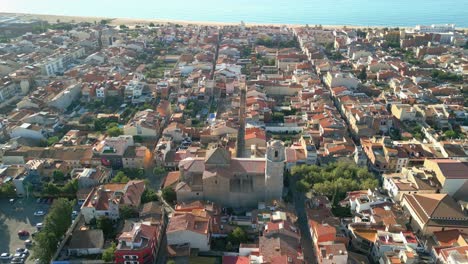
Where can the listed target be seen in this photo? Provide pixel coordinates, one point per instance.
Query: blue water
(326, 12)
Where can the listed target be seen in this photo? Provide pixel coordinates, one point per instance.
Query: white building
(444, 28)
(341, 79)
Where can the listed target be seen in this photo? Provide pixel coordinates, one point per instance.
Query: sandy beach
(131, 22)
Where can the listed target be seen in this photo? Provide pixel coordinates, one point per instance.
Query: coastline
(116, 21)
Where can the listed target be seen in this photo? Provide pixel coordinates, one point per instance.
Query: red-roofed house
(139, 245)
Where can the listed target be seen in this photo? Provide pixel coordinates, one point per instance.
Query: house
(434, 212)
(452, 175)
(333, 254)
(86, 242)
(403, 112)
(154, 213)
(136, 157)
(27, 130)
(407, 182)
(90, 177)
(146, 123)
(187, 227)
(106, 199)
(175, 131)
(66, 97)
(138, 245)
(228, 181)
(341, 79)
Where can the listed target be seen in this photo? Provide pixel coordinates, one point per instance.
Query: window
(276, 153)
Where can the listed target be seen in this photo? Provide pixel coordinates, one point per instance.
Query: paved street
(15, 217)
(306, 239)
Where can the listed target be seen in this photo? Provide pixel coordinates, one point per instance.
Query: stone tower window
(276, 153)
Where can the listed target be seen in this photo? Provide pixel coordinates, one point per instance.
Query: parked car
(28, 243)
(39, 226)
(38, 200)
(23, 233)
(5, 256)
(12, 200)
(17, 261)
(20, 256)
(39, 213)
(22, 251)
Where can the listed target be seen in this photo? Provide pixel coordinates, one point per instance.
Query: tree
(52, 140)
(334, 179)
(58, 176)
(149, 195)
(108, 253)
(151, 24)
(302, 186)
(278, 117)
(169, 195)
(120, 177)
(127, 212)
(56, 224)
(105, 224)
(237, 236)
(114, 131)
(170, 262)
(7, 190)
(158, 170)
(450, 134)
(363, 74)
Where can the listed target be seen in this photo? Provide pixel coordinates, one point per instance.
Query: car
(39, 213)
(17, 261)
(38, 200)
(22, 251)
(20, 256)
(39, 226)
(23, 233)
(5, 256)
(28, 243)
(12, 200)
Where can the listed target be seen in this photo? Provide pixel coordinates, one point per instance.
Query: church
(233, 182)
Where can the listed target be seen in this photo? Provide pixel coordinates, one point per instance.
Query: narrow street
(306, 239)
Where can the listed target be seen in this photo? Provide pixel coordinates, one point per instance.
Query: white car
(39, 213)
(5, 256)
(39, 226)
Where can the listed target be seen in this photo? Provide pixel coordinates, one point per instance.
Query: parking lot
(17, 216)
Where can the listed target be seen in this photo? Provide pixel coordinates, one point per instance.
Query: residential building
(106, 199)
(138, 245)
(189, 228)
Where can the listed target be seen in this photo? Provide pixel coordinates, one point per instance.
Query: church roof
(217, 156)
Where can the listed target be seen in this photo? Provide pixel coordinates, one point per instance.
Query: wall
(196, 240)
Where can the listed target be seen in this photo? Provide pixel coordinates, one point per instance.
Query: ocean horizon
(312, 12)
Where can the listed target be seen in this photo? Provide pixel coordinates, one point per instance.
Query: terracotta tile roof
(448, 237)
(451, 169)
(190, 222)
(171, 178)
(436, 209)
(462, 253)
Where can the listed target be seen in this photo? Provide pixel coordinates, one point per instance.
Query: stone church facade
(233, 182)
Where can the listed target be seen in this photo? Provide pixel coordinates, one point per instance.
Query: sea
(311, 12)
